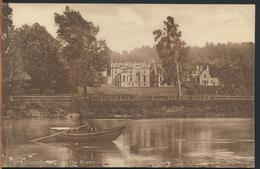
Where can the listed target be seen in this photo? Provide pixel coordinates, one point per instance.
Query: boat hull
(105, 135)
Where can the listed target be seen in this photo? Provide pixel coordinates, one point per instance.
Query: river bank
(65, 110)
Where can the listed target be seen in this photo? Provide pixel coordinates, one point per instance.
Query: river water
(208, 142)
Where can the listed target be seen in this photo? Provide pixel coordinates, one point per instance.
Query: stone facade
(130, 74)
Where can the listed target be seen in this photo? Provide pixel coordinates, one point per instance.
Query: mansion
(130, 74)
(133, 74)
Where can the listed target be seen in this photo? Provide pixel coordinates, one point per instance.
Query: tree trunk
(85, 95)
(178, 73)
(41, 86)
(178, 80)
(10, 87)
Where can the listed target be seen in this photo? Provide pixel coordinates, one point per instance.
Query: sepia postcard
(128, 85)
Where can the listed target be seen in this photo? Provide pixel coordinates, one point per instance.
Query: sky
(128, 26)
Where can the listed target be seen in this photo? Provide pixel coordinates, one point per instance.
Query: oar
(41, 138)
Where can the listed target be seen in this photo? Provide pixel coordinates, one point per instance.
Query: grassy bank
(135, 110)
(136, 91)
(170, 111)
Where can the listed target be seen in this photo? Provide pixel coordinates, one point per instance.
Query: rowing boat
(104, 135)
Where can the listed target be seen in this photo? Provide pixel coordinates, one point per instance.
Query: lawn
(144, 91)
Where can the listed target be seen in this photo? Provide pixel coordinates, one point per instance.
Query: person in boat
(86, 128)
(93, 129)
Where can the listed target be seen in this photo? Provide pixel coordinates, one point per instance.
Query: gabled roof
(202, 72)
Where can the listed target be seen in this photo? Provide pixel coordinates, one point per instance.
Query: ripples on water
(152, 142)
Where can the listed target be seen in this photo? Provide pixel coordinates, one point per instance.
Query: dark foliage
(84, 54)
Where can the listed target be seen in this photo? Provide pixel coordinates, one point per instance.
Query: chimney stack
(207, 68)
(197, 68)
(201, 68)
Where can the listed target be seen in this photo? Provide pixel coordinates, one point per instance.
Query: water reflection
(156, 142)
(211, 139)
(62, 154)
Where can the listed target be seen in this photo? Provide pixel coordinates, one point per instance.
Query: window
(138, 78)
(144, 78)
(130, 78)
(123, 78)
(115, 71)
(205, 75)
(126, 78)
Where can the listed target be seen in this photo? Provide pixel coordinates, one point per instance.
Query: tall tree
(171, 50)
(86, 56)
(6, 29)
(11, 68)
(14, 78)
(39, 51)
